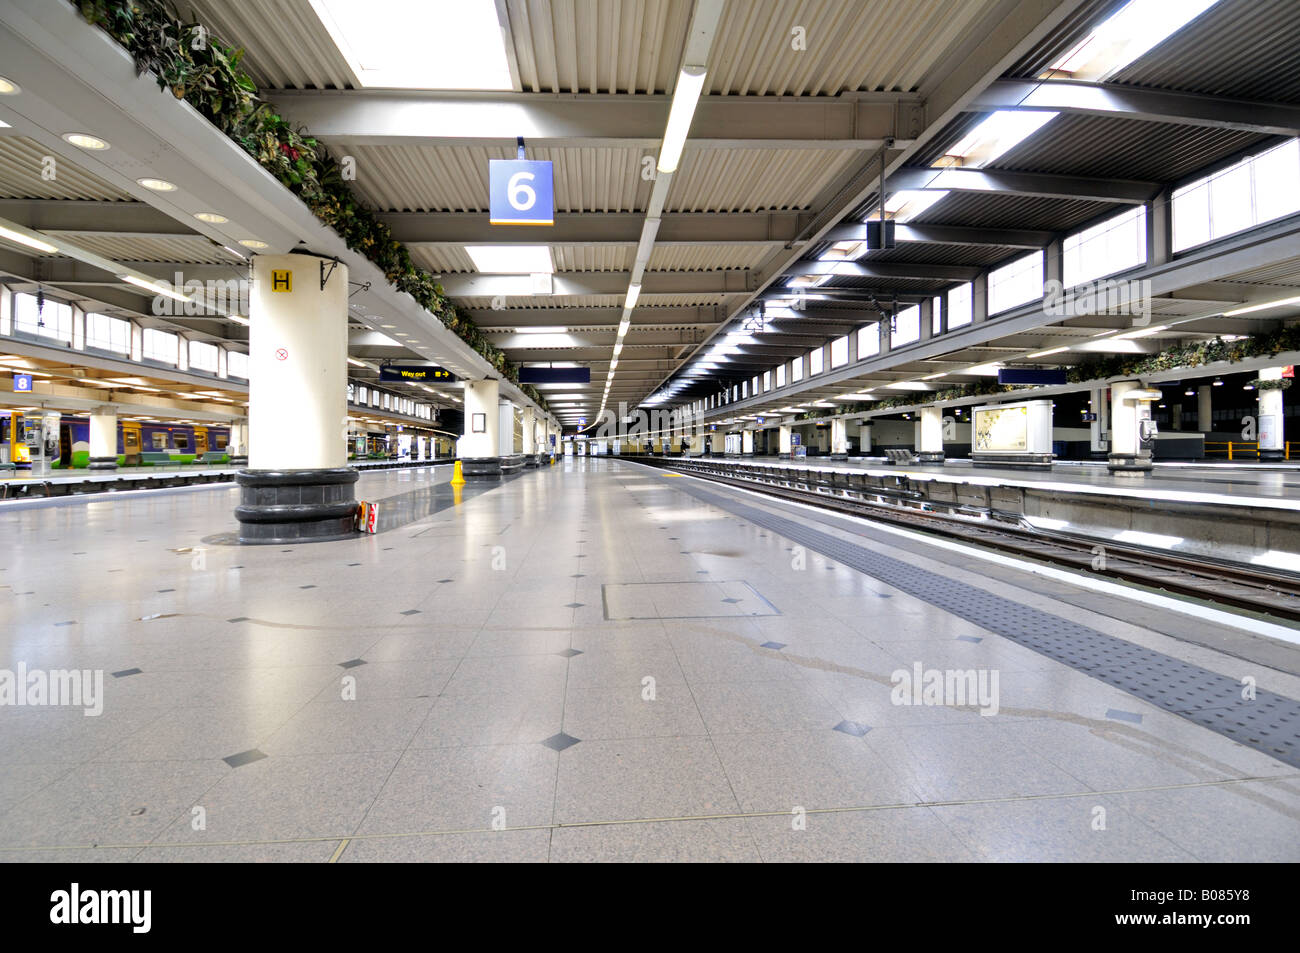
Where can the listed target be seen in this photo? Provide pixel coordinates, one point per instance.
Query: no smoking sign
(281, 354)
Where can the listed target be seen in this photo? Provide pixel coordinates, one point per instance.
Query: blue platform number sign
(22, 383)
(521, 192)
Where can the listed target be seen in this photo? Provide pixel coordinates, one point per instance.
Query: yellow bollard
(457, 476)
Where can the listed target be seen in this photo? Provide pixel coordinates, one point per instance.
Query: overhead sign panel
(521, 192)
(22, 383)
(555, 375)
(1030, 375)
(416, 373)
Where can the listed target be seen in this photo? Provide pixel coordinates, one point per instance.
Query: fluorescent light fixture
(511, 259)
(633, 293)
(984, 370)
(1143, 332)
(1248, 309)
(157, 185)
(238, 320)
(934, 377)
(1138, 27)
(907, 385)
(22, 238)
(163, 290)
(618, 348)
(83, 141)
(355, 363)
(546, 329)
(1048, 352)
(386, 42)
(690, 81)
(1001, 132)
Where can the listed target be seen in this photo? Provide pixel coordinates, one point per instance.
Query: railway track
(1274, 593)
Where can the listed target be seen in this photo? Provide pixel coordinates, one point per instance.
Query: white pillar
(103, 438)
(297, 357)
(237, 446)
(482, 420)
(783, 436)
(929, 449)
(864, 438)
(747, 442)
(506, 427)
(1205, 408)
(839, 437)
(1124, 451)
(1271, 420)
(1100, 410)
(530, 431)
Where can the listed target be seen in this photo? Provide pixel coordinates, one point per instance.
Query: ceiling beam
(885, 269)
(1128, 102)
(108, 218)
(1120, 191)
(598, 228)
(581, 318)
(733, 281)
(375, 117)
(949, 235)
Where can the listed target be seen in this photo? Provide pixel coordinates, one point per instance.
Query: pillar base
(1098, 454)
(296, 506)
(1129, 462)
(929, 456)
(241, 461)
(1271, 456)
(102, 463)
(1010, 458)
(482, 467)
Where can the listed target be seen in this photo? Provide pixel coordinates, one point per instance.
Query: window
(1255, 190)
(767, 381)
(753, 386)
(53, 320)
(203, 356)
(237, 364)
(960, 311)
(868, 341)
(1115, 245)
(796, 370)
(780, 375)
(936, 316)
(840, 352)
(108, 334)
(907, 327)
(1016, 283)
(816, 358)
(161, 346)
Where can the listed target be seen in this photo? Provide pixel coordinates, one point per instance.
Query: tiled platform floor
(738, 708)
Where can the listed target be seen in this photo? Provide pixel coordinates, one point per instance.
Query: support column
(237, 446)
(103, 438)
(506, 427)
(1126, 453)
(1205, 408)
(1272, 421)
(929, 448)
(298, 486)
(840, 438)
(531, 455)
(783, 441)
(1099, 444)
(747, 442)
(864, 438)
(480, 447)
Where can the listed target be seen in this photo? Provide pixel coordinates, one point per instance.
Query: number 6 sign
(521, 192)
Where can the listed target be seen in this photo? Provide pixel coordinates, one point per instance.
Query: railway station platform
(599, 660)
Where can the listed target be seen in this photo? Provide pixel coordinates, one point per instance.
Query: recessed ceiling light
(216, 219)
(8, 87)
(252, 243)
(157, 185)
(83, 141)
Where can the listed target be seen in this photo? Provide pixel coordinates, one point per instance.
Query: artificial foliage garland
(191, 64)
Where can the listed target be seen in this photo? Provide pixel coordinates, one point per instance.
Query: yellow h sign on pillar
(282, 281)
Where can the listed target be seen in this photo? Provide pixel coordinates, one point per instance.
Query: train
(139, 443)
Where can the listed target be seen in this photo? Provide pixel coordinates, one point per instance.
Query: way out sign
(521, 192)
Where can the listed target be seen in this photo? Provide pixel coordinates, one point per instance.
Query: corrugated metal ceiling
(749, 180)
(180, 249)
(993, 210)
(21, 163)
